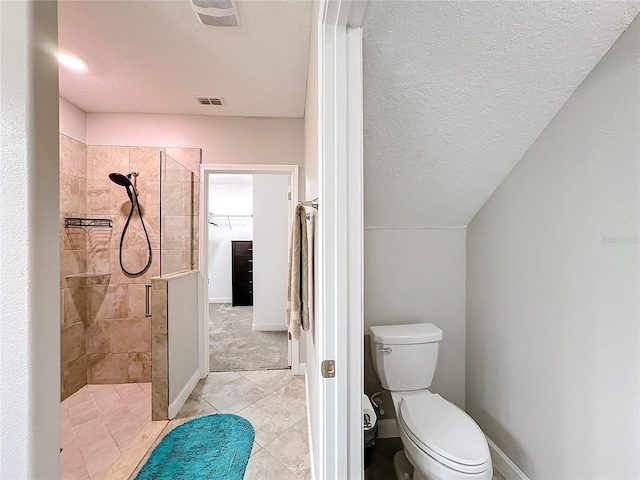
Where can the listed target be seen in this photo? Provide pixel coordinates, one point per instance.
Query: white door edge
(340, 234)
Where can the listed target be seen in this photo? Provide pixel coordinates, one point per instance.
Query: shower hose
(135, 204)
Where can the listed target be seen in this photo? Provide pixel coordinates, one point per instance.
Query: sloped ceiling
(155, 56)
(456, 92)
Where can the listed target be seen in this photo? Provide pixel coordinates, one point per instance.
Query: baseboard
(178, 403)
(503, 464)
(312, 469)
(220, 300)
(388, 428)
(302, 369)
(273, 327)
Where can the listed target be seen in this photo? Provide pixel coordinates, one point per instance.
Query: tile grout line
(228, 383)
(73, 428)
(105, 424)
(258, 446)
(270, 453)
(277, 460)
(102, 421)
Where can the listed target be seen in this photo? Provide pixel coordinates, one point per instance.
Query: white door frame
(340, 235)
(206, 170)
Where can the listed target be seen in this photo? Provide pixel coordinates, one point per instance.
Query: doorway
(247, 211)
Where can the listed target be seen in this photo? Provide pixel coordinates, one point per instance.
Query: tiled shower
(105, 335)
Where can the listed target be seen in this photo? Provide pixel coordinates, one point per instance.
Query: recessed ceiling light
(72, 62)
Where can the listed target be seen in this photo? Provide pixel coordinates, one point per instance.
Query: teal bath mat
(215, 447)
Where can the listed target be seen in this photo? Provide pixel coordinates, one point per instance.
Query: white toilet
(441, 441)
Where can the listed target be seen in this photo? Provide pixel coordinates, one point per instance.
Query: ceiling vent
(215, 101)
(216, 13)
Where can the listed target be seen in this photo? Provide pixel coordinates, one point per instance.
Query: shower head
(125, 181)
(120, 179)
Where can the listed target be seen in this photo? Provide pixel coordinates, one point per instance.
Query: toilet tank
(405, 356)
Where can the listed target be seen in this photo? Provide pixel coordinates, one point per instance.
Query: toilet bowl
(440, 440)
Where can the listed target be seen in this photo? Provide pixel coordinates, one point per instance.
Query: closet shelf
(228, 217)
(73, 222)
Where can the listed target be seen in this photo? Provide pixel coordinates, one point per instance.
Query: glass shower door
(177, 220)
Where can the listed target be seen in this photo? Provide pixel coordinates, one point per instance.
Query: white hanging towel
(298, 285)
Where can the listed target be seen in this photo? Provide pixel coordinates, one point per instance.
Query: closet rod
(230, 215)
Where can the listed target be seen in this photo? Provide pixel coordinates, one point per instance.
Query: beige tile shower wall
(105, 336)
(73, 260)
(119, 335)
(160, 369)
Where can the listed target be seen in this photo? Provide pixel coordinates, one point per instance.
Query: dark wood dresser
(242, 273)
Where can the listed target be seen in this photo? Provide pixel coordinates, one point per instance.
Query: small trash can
(370, 429)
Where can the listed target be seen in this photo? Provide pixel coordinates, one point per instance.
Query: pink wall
(222, 139)
(73, 121)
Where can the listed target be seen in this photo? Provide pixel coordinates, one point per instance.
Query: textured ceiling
(154, 57)
(456, 92)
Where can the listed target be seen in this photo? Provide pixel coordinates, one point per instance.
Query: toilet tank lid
(406, 334)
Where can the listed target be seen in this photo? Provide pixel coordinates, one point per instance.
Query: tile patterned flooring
(274, 402)
(99, 421)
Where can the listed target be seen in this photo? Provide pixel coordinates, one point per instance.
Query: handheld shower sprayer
(132, 192)
(125, 181)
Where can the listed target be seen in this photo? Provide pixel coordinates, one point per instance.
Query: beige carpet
(233, 346)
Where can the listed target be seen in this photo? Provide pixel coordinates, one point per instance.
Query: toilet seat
(444, 432)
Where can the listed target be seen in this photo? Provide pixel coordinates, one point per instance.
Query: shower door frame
(207, 169)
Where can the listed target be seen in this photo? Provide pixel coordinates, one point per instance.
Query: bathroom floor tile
(214, 381)
(292, 449)
(275, 406)
(234, 396)
(107, 405)
(273, 401)
(137, 449)
(271, 380)
(81, 408)
(105, 446)
(81, 396)
(84, 417)
(78, 473)
(96, 424)
(196, 407)
(91, 432)
(99, 465)
(293, 392)
(71, 458)
(271, 417)
(264, 466)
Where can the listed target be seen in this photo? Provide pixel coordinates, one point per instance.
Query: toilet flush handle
(385, 349)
